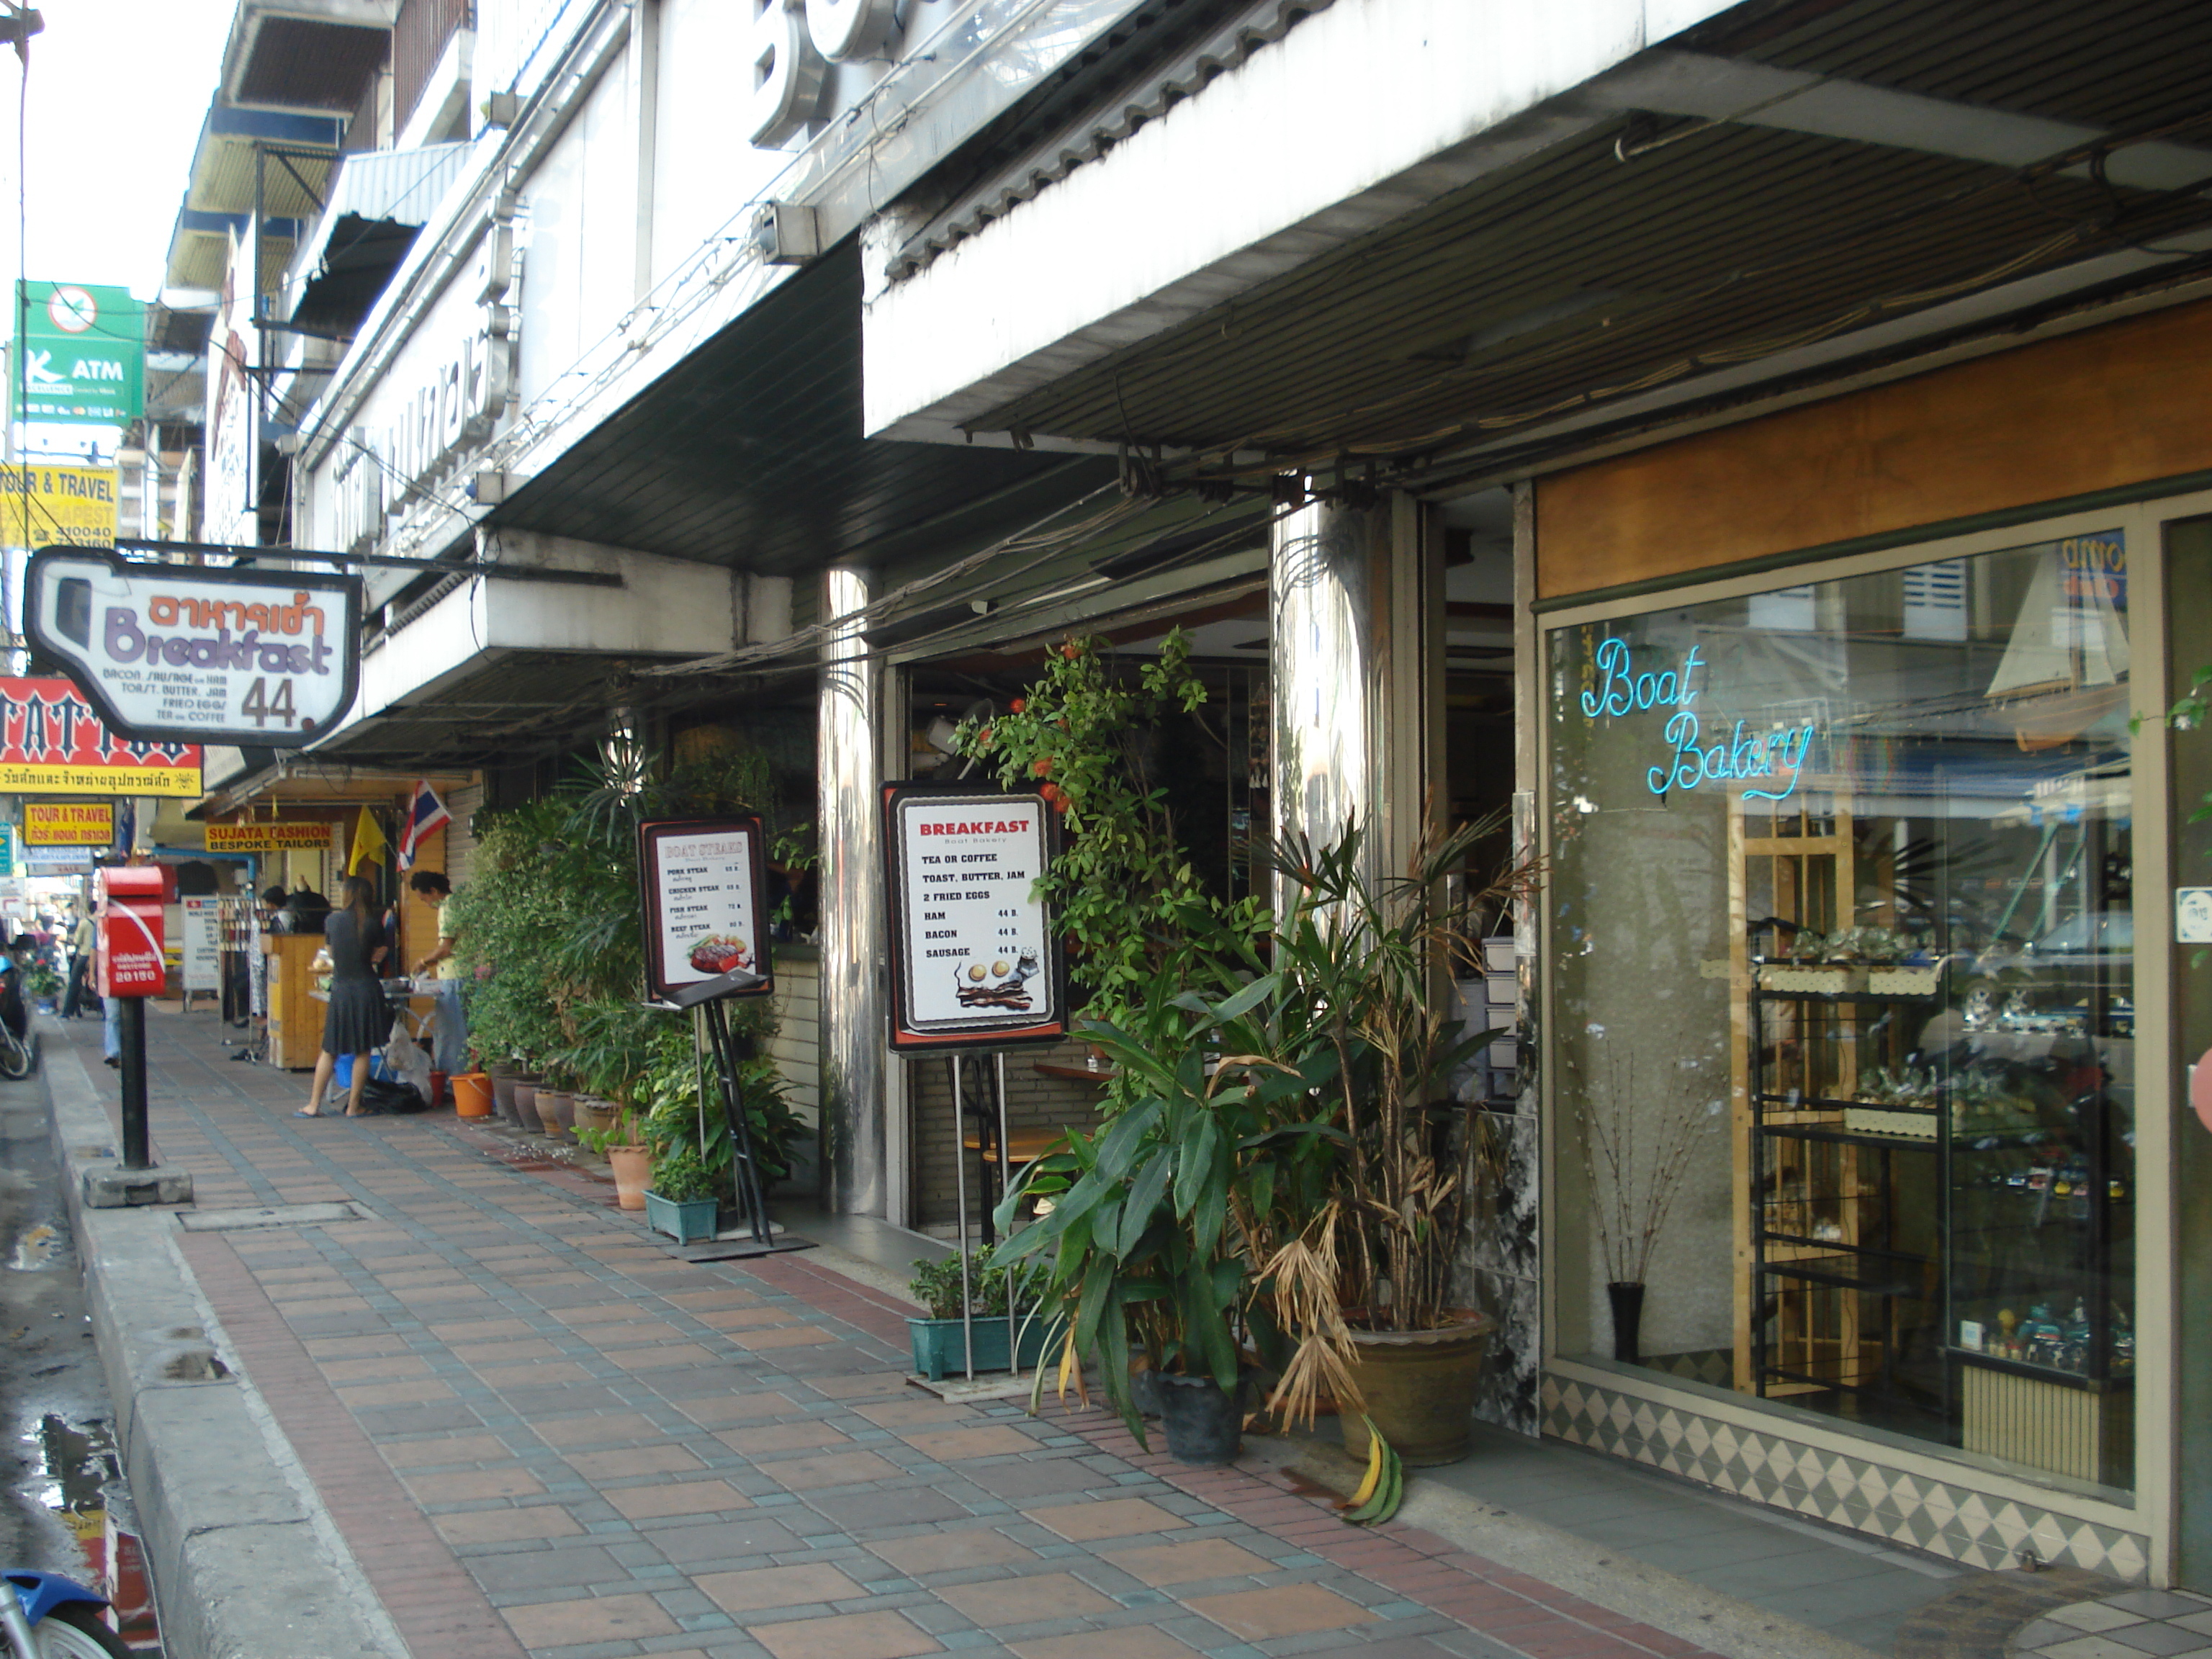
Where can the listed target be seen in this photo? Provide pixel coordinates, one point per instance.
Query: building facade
(1761, 447)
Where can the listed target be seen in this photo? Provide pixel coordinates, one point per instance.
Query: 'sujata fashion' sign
(53, 743)
(263, 657)
(703, 880)
(974, 960)
(269, 837)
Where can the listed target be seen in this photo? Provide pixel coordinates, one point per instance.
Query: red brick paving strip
(424, 1587)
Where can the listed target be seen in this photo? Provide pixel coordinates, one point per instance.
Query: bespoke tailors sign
(264, 658)
(974, 962)
(53, 743)
(271, 836)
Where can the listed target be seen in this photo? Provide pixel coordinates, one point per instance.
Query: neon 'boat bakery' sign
(1623, 690)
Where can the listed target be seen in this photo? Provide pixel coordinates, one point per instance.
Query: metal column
(855, 1057)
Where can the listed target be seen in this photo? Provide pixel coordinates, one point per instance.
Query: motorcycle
(51, 1617)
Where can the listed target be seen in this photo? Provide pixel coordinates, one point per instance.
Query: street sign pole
(130, 1021)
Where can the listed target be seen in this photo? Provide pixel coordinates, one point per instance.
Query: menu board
(203, 958)
(704, 882)
(975, 962)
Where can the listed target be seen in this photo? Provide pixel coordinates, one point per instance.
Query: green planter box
(938, 1352)
(687, 1223)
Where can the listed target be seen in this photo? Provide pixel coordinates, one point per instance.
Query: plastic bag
(407, 1062)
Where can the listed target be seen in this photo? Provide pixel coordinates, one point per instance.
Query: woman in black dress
(360, 1019)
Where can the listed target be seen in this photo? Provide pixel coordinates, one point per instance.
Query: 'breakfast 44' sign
(265, 658)
(1621, 688)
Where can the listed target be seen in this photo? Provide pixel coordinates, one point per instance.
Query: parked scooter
(50, 1616)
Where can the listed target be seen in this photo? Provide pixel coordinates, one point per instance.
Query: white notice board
(704, 885)
(976, 957)
(202, 945)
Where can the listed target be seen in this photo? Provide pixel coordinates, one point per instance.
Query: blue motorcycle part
(41, 1593)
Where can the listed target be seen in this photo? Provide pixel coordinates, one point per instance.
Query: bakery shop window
(1844, 1002)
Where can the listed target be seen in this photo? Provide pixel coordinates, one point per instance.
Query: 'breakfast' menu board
(975, 962)
(704, 882)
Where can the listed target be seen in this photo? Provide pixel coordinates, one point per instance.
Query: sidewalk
(539, 1433)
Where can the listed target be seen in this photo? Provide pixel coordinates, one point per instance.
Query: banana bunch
(1381, 1489)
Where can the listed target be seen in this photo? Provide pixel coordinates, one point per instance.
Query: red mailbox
(130, 958)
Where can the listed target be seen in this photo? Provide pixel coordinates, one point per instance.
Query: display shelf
(1841, 1137)
(1873, 1273)
(2052, 1374)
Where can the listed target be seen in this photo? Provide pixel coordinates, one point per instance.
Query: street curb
(246, 1560)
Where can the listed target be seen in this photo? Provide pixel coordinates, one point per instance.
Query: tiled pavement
(2144, 1621)
(540, 1433)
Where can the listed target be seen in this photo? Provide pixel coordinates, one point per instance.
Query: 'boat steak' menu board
(705, 913)
(975, 963)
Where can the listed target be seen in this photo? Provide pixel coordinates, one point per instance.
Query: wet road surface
(62, 1496)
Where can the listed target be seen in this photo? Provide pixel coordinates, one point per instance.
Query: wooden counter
(295, 1017)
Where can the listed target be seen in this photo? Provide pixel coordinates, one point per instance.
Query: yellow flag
(368, 842)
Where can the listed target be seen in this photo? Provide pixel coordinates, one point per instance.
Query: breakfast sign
(704, 882)
(975, 962)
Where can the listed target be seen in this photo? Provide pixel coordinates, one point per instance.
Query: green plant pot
(687, 1221)
(938, 1351)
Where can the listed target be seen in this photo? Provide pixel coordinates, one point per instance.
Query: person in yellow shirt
(449, 1053)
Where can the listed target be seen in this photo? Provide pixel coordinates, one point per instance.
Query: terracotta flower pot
(1419, 1390)
(531, 1116)
(633, 1168)
(556, 1110)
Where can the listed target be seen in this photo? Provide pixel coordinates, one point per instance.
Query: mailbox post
(129, 966)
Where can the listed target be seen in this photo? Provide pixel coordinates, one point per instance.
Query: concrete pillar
(854, 1041)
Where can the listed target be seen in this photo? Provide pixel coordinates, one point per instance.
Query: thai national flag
(427, 814)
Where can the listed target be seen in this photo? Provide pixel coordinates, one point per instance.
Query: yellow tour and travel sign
(68, 822)
(271, 837)
(71, 506)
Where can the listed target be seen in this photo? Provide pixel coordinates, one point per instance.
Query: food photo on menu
(998, 984)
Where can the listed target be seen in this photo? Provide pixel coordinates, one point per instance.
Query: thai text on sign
(69, 823)
(53, 743)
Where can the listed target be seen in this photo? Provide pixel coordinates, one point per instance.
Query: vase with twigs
(1636, 1153)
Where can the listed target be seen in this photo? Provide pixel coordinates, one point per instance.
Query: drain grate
(268, 1215)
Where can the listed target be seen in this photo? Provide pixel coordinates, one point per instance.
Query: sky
(118, 89)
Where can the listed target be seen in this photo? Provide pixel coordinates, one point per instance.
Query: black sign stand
(732, 1049)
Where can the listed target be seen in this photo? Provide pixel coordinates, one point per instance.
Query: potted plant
(627, 1155)
(1637, 1145)
(1286, 1169)
(1002, 1311)
(1159, 1241)
(675, 1116)
(681, 1201)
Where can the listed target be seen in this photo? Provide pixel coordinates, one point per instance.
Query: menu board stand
(960, 1199)
(731, 1049)
(977, 966)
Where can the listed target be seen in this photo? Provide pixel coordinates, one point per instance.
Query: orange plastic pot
(472, 1095)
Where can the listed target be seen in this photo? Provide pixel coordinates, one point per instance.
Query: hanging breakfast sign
(976, 964)
(704, 882)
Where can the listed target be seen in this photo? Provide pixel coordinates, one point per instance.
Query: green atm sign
(80, 354)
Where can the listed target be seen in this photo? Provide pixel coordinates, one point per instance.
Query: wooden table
(1027, 1145)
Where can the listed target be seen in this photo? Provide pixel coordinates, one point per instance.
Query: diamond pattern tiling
(1945, 1517)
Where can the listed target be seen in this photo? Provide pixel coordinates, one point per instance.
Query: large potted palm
(1360, 962)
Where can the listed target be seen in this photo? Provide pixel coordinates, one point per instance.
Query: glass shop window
(1844, 1020)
